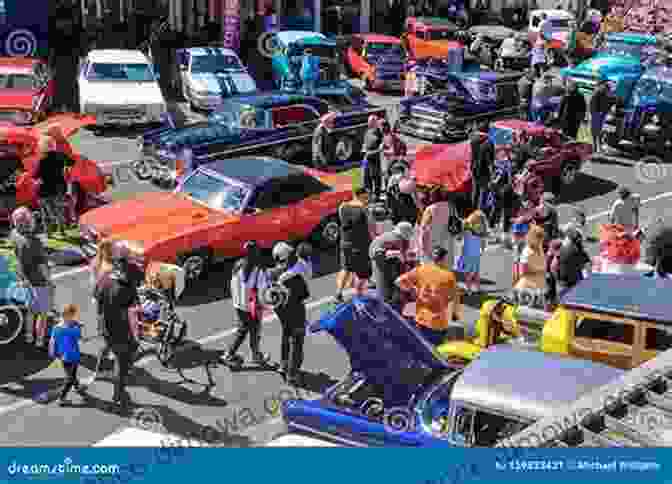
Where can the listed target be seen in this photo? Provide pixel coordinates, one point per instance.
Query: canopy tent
(444, 165)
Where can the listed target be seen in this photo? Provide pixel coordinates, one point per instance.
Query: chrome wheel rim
(331, 232)
(344, 149)
(142, 169)
(193, 266)
(569, 174)
(10, 326)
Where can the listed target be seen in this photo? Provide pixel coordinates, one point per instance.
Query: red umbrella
(444, 165)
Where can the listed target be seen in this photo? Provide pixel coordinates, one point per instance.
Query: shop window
(621, 333)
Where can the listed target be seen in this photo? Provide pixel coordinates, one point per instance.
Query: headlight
(655, 119)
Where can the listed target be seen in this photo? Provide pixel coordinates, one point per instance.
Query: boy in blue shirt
(310, 72)
(64, 345)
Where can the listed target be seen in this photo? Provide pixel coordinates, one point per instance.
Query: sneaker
(260, 359)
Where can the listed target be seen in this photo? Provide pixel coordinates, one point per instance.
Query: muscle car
(26, 90)
(218, 208)
(209, 74)
(19, 161)
(378, 60)
(118, 87)
(429, 37)
(400, 393)
(275, 124)
(461, 102)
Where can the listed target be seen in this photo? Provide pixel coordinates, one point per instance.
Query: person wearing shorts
(356, 234)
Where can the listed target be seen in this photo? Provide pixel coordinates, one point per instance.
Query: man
(572, 110)
(356, 235)
(625, 210)
(600, 104)
(542, 92)
(373, 148)
(502, 187)
(547, 217)
(310, 72)
(115, 294)
(525, 93)
(482, 158)
(572, 260)
(658, 252)
(322, 142)
(398, 239)
(394, 150)
(291, 310)
(437, 296)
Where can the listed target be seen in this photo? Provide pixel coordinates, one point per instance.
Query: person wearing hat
(116, 293)
(625, 210)
(288, 280)
(572, 261)
(435, 287)
(396, 241)
(600, 104)
(248, 282)
(322, 142)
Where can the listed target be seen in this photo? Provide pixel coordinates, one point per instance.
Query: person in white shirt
(248, 282)
(625, 210)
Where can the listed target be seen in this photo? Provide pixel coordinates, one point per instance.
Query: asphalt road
(239, 405)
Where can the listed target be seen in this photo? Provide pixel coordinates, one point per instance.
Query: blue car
(279, 125)
(400, 393)
(458, 102)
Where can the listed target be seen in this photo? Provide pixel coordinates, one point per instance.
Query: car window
(120, 72)
(213, 63)
(284, 192)
(214, 192)
(622, 333)
(536, 21)
(658, 339)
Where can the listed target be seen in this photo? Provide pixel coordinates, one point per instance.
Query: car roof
(255, 170)
(625, 295)
(117, 56)
(553, 13)
(273, 98)
(205, 51)
(384, 39)
(289, 36)
(528, 384)
(632, 38)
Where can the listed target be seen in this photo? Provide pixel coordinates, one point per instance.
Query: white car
(119, 88)
(209, 74)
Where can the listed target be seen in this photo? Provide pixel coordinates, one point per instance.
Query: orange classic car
(219, 207)
(377, 59)
(429, 37)
(26, 90)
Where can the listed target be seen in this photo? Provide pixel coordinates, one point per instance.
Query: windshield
(216, 193)
(213, 63)
(120, 72)
(236, 116)
(618, 48)
(17, 81)
(480, 91)
(441, 35)
(384, 49)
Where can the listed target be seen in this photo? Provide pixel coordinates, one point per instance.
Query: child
(64, 345)
(475, 233)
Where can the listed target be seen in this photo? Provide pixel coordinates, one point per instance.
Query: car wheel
(11, 324)
(328, 234)
(569, 172)
(499, 65)
(143, 169)
(195, 265)
(344, 149)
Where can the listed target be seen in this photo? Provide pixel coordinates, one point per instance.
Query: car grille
(124, 111)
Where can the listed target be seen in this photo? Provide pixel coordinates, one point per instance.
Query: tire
(568, 173)
(143, 169)
(11, 324)
(327, 235)
(195, 264)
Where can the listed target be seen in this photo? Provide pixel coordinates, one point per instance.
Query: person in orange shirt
(435, 286)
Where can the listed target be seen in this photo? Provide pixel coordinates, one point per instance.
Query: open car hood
(380, 344)
(446, 165)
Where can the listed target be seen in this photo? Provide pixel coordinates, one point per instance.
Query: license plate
(609, 128)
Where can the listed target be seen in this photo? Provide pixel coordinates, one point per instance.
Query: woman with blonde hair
(435, 226)
(530, 288)
(474, 241)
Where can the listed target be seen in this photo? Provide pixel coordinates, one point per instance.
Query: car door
(606, 340)
(311, 208)
(294, 125)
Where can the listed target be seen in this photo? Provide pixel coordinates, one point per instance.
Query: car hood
(149, 218)
(16, 98)
(123, 92)
(379, 343)
(605, 65)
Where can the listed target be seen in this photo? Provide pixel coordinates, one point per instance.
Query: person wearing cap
(625, 210)
(572, 261)
(373, 147)
(600, 104)
(289, 281)
(397, 241)
(115, 294)
(435, 287)
(32, 270)
(322, 142)
(248, 282)
(310, 72)
(572, 110)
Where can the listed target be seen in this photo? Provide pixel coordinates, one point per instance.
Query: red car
(26, 90)
(378, 60)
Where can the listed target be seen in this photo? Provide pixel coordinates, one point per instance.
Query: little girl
(474, 241)
(64, 345)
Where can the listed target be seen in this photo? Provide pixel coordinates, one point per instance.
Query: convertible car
(401, 393)
(218, 208)
(275, 124)
(378, 60)
(463, 101)
(26, 90)
(18, 187)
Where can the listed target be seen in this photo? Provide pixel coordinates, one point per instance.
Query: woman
(248, 284)
(101, 264)
(475, 233)
(531, 287)
(435, 226)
